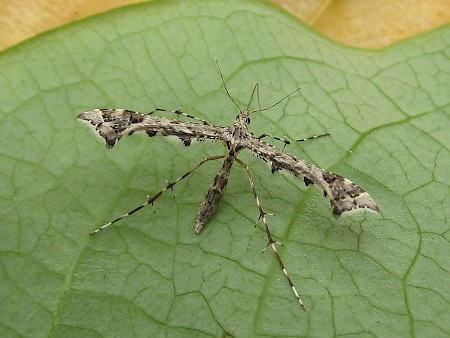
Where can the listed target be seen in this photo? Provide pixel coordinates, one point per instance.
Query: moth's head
(243, 117)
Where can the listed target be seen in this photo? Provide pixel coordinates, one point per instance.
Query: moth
(343, 194)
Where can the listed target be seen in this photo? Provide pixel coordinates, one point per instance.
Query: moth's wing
(112, 124)
(343, 194)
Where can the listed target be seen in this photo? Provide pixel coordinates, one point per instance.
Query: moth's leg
(271, 242)
(152, 199)
(215, 192)
(286, 141)
(179, 112)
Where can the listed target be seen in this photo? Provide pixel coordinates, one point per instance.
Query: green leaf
(365, 275)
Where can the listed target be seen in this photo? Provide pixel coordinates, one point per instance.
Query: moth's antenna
(273, 105)
(255, 89)
(226, 89)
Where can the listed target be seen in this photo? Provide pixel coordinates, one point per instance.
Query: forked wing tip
(361, 202)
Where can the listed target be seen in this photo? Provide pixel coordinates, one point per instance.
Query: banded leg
(152, 199)
(271, 242)
(287, 141)
(179, 112)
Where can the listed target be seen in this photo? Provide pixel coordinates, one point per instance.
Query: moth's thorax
(238, 132)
